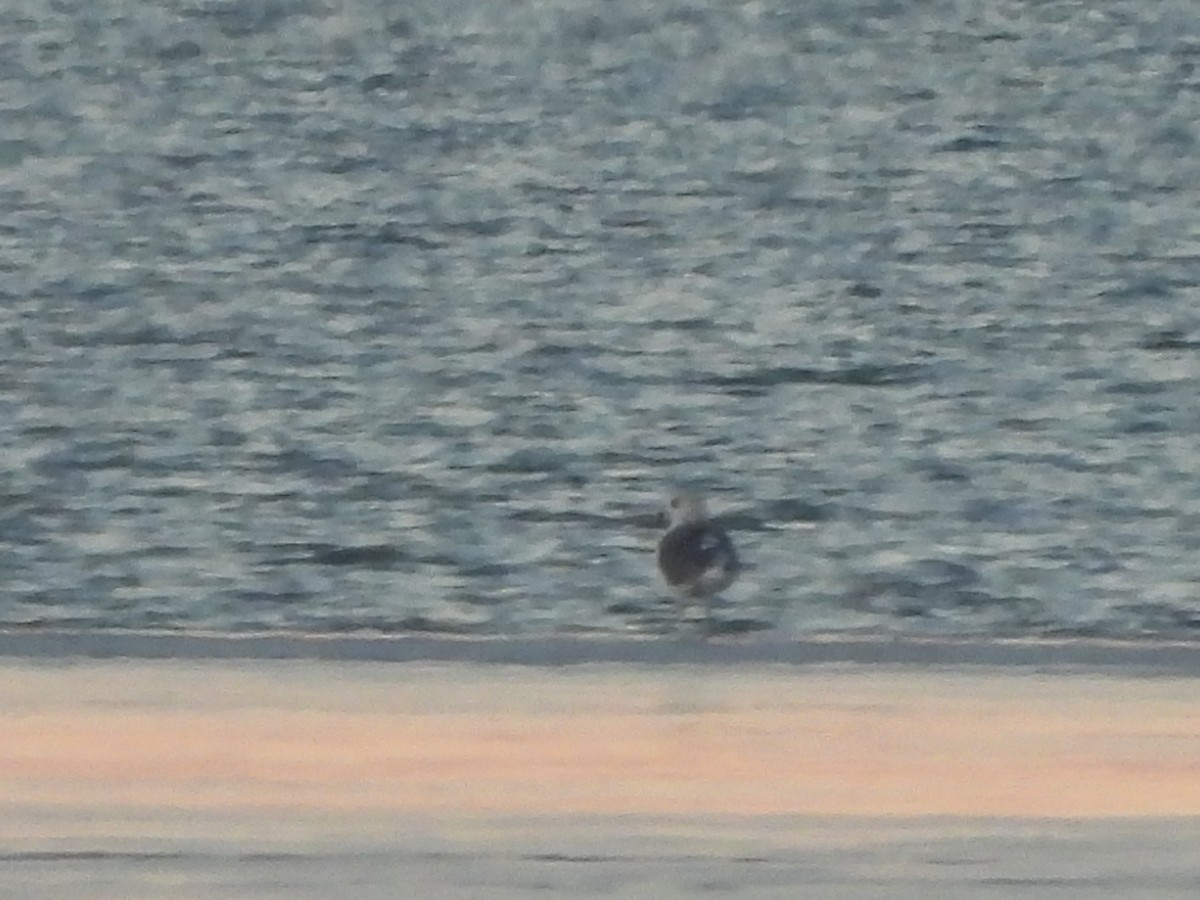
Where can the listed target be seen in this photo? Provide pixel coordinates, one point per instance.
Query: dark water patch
(38, 431)
(1024, 425)
(1020, 82)
(559, 351)
(379, 557)
(700, 190)
(932, 469)
(331, 232)
(541, 248)
(390, 81)
(370, 556)
(163, 551)
(179, 51)
(545, 192)
(485, 570)
(1136, 388)
(186, 161)
(367, 235)
(415, 623)
(1147, 426)
(570, 858)
(531, 461)
(969, 144)
(686, 323)
(918, 95)
(794, 509)
(483, 228)
(124, 334)
(868, 375)
(630, 219)
(309, 463)
(392, 234)
(625, 608)
(863, 290)
(225, 436)
(1169, 339)
(737, 626)
(988, 231)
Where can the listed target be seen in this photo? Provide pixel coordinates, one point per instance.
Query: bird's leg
(687, 625)
(681, 617)
(706, 628)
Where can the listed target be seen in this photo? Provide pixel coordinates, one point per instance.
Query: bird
(695, 555)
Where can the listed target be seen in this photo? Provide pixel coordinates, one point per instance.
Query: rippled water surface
(355, 315)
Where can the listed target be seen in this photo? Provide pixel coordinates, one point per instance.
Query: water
(360, 316)
(848, 857)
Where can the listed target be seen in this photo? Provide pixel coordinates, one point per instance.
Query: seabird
(695, 556)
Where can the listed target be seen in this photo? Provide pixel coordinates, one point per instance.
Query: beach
(350, 353)
(221, 775)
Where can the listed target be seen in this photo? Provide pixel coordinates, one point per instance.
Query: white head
(685, 508)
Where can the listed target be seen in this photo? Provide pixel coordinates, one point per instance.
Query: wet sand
(835, 774)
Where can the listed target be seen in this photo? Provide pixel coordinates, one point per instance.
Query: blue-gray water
(332, 316)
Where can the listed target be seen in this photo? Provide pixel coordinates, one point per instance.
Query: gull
(695, 556)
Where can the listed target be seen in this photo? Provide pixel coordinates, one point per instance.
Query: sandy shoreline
(498, 740)
(592, 760)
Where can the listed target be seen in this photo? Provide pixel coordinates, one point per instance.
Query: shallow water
(852, 859)
(336, 316)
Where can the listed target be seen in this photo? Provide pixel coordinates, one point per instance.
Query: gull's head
(685, 508)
